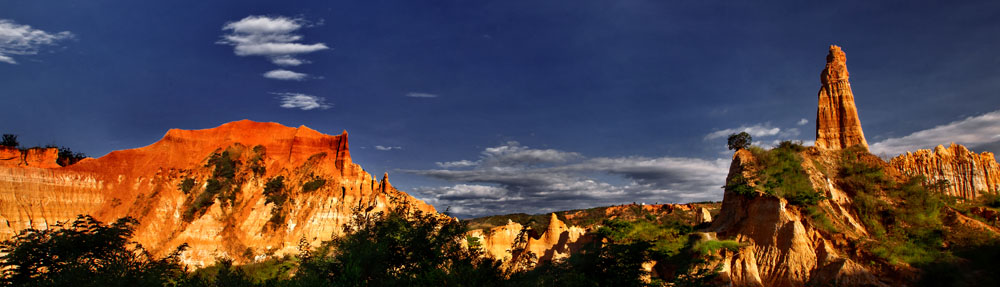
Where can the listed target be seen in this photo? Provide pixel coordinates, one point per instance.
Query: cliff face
(837, 122)
(33, 157)
(223, 211)
(969, 174)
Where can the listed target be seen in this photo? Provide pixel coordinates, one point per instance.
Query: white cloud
(271, 37)
(302, 101)
(758, 130)
(17, 39)
(460, 163)
(976, 130)
(520, 179)
(802, 122)
(386, 148)
(281, 74)
(421, 95)
(287, 61)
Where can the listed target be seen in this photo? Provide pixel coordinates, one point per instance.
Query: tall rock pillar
(837, 123)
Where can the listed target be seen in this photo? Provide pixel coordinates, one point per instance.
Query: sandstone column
(837, 123)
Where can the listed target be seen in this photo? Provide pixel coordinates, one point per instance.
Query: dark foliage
(740, 141)
(68, 157)
(85, 253)
(274, 193)
(313, 184)
(399, 248)
(186, 185)
(9, 140)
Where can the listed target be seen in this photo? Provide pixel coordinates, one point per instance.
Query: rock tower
(837, 122)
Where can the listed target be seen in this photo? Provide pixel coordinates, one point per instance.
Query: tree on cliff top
(9, 140)
(740, 141)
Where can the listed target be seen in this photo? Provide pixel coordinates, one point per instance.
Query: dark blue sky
(552, 104)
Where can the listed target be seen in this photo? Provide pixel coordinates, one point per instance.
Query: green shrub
(313, 184)
(712, 246)
(739, 185)
(186, 185)
(781, 174)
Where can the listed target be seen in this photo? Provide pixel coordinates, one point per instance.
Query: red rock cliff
(237, 221)
(969, 174)
(837, 122)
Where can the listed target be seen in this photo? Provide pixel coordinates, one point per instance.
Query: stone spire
(837, 123)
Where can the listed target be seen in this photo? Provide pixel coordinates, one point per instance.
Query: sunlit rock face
(837, 122)
(969, 175)
(238, 222)
(556, 242)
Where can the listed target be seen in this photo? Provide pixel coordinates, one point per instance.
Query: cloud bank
(513, 178)
(17, 39)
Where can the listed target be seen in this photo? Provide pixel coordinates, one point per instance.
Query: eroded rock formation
(557, 241)
(782, 247)
(968, 174)
(224, 211)
(837, 122)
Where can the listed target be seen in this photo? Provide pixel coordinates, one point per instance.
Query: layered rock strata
(222, 211)
(969, 175)
(837, 122)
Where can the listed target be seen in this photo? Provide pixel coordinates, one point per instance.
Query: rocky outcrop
(557, 241)
(782, 247)
(969, 175)
(837, 122)
(32, 157)
(237, 221)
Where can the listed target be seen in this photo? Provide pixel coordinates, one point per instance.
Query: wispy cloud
(17, 39)
(387, 148)
(302, 101)
(757, 130)
(516, 178)
(802, 122)
(972, 131)
(421, 95)
(281, 74)
(272, 37)
(457, 164)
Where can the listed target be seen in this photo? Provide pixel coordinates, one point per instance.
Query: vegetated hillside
(588, 218)
(811, 216)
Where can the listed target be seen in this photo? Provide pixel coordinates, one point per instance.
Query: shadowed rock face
(968, 174)
(145, 183)
(837, 122)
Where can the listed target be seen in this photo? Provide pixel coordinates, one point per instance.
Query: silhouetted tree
(739, 141)
(85, 253)
(9, 140)
(68, 157)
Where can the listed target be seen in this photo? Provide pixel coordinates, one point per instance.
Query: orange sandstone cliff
(968, 174)
(224, 211)
(837, 122)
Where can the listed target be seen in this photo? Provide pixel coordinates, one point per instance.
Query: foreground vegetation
(399, 248)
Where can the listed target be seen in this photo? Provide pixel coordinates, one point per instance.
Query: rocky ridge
(969, 175)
